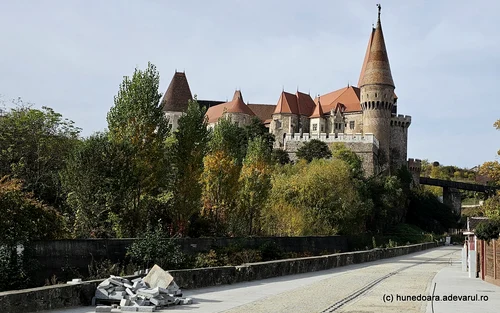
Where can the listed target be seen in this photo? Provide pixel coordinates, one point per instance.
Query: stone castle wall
(399, 141)
(173, 119)
(365, 147)
(281, 125)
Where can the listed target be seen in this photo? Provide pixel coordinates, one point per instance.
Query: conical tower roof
(237, 94)
(377, 70)
(178, 94)
(318, 111)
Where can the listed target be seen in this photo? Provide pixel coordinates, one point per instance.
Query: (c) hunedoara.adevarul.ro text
(450, 298)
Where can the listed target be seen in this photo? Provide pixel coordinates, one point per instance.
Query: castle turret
(377, 93)
(176, 99)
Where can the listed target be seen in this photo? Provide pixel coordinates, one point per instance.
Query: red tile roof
(287, 103)
(234, 106)
(318, 111)
(262, 111)
(305, 103)
(347, 96)
(298, 103)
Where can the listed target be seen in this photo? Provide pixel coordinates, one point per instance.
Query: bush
(488, 230)
(209, 259)
(270, 250)
(153, 248)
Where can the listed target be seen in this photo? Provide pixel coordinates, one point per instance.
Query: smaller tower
(415, 167)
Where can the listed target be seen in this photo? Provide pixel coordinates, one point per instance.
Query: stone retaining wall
(54, 255)
(52, 297)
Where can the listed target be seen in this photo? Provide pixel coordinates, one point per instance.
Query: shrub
(153, 248)
(270, 250)
(488, 230)
(209, 259)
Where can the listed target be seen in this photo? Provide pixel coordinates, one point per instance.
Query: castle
(364, 118)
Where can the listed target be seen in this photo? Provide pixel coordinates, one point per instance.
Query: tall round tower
(377, 93)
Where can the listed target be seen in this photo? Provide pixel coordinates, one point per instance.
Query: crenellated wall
(399, 141)
(415, 167)
(365, 146)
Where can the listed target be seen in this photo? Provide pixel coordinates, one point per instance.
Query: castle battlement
(363, 138)
(401, 120)
(415, 165)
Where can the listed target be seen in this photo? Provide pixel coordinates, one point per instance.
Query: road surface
(381, 286)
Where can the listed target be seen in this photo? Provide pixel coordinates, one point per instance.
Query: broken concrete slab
(157, 277)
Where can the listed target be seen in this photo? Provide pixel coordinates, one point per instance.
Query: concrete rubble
(158, 289)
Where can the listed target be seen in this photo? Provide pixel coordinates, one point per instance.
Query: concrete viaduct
(451, 195)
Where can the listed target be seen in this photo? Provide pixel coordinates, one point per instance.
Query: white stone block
(124, 302)
(157, 277)
(187, 301)
(128, 309)
(102, 308)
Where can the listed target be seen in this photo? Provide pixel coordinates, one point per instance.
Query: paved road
(356, 288)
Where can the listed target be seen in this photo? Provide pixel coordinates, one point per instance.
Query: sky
(444, 55)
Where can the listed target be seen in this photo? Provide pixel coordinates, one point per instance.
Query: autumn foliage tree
(220, 187)
(254, 184)
(314, 198)
(24, 218)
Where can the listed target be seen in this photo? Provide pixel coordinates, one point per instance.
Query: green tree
(280, 156)
(257, 129)
(229, 137)
(255, 183)
(314, 149)
(428, 213)
(33, 147)
(341, 152)
(137, 119)
(100, 182)
(191, 145)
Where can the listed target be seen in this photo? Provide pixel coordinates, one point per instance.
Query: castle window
(315, 127)
(351, 124)
(375, 94)
(278, 124)
(322, 128)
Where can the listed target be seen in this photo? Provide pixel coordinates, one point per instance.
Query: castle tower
(377, 94)
(176, 99)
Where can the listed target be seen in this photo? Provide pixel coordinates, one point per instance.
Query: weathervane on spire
(379, 8)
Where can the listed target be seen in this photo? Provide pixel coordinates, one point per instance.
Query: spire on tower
(376, 68)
